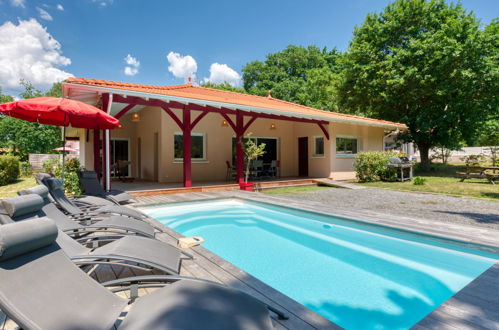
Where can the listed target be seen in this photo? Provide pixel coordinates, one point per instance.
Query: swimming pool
(358, 276)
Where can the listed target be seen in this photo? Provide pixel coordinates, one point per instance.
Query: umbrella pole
(63, 147)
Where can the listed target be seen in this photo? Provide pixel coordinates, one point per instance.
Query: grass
(442, 179)
(12, 189)
(294, 190)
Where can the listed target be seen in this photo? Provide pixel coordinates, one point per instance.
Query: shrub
(25, 168)
(71, 182)
(473, 160)
(419, 181)
(50, 165)
(370, 166)
(9, 169)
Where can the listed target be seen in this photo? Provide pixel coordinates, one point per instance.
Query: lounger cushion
(22, 205)
(53, 183)
(26, 236)
(195, 305)
(39, 190)
(88, 174)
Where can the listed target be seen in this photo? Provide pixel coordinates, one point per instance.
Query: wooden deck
(474, 307)
(149, 188)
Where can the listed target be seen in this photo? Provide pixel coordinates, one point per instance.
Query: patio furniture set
(258, 170)
(50, 244)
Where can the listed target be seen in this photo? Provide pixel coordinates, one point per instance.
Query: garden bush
(9, 169)
(419, 181)
(370, 166)
(71, 182)
(50, 165)
(25, 169)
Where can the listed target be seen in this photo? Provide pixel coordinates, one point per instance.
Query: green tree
(223, 86)
(296, 74)
(23, 137)
(423, 63)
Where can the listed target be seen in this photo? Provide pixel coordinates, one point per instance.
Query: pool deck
(474, 307)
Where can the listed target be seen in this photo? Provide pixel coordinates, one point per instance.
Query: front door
(303, 156)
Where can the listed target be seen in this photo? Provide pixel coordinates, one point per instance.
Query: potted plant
(252, 151)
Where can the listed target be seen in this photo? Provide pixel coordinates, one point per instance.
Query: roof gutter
(226, 105)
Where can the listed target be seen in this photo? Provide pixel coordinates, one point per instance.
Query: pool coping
(452, 233)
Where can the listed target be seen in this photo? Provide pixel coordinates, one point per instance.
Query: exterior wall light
(135, 117)
(225, 123)
(273, 126)
(120, 126)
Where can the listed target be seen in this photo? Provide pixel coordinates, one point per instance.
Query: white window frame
(346, 137)
(180, 160)
(314, 155)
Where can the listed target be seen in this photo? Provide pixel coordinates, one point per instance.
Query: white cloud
(28, 51)
(18, 3)
(44, 14)
(60, 7)
(103, 3)
(220, 73)
(132, 67)
(182, 66)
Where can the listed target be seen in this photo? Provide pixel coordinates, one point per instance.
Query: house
(188, 133)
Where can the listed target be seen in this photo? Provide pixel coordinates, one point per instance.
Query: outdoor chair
(128, 251)
(118, 225)
(257, 168)
(56, 191)
(90, 183)
(42, 289)
(81, 200)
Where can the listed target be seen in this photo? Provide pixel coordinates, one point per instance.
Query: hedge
(9, 169)
(370, 166)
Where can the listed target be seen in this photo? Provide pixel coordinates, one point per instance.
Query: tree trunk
(424, 151)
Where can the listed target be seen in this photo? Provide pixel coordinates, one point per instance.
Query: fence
(37, 160)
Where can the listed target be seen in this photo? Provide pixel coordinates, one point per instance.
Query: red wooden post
(97, 152)
(239, 147)
(187, 147)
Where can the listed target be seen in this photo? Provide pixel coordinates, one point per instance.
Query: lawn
(294, 190)
(442, 179)
(12, 189)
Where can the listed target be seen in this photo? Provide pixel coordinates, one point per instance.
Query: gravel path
(446, 208)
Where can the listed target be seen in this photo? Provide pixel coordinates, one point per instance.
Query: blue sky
(95, 36)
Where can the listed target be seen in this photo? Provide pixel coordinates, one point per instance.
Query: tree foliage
(224, 86)
(426, 64)
(22, 137)
(296, 74)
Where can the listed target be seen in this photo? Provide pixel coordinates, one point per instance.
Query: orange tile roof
(216, 95)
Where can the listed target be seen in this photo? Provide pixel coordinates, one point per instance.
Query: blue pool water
(358, 276)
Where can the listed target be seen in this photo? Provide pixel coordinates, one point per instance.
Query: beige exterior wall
(369, 139)
(164, 168)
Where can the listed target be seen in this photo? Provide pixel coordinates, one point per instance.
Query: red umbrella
(59, 112)
(66, 149)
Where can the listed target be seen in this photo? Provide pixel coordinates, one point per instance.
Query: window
(346, 146)
(198, 146)
(318, 146)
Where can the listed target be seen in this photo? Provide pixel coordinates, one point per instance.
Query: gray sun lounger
(81, 200)
(56, 191)
(114, 224)
(128, 251)
(90, 183)
(42, 289)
